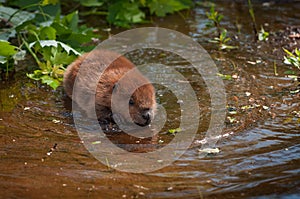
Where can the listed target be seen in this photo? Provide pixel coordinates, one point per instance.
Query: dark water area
(42, 155)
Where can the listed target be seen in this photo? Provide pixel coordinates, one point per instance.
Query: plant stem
(251, 11)
(275, 69)
(31, 52)
(6, 74)
(107, 163)
(217, 25)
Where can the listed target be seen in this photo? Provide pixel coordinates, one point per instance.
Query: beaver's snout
(144, 118)
(147, 115)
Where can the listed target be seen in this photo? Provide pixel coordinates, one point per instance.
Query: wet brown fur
(98, 60)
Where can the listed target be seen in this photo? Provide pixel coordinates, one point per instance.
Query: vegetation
(174, 131)
(54, 39)
(251, 12)
(7, 55)
(263, 35)
(215, 17)
(292, 58)
(222, 39)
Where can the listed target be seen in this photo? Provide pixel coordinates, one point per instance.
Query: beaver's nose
(147, 116)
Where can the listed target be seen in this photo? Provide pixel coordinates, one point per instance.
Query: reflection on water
(259, 157)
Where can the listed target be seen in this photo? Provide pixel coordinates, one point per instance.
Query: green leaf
(68, 31)
(61, 29)
(36, 75)
(173, 131)
(91, 3)
(123, 13)
(160, 8)
(286, 60)
(143, 2)
(71, 21)
(47, 33)
(18, 19)
(163, 7)
(61, 56)
(289, 72)
(288, 52)
(292, 59)
(297, 52)
(215, 40)
(223, 34)
(225, 77)
(226, 40)
(6, 49)
(224, 46)
(263, 35)
(56, 54)
(53, 83)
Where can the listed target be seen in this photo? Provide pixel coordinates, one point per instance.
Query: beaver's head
(142, 105)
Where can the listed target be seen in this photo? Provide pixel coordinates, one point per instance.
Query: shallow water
(260, 152)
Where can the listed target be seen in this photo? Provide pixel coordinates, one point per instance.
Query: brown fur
(143, 102)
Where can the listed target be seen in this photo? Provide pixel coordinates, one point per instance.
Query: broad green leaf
(19, 18)
(54, 84)
(123, 13)
(163, 7)
(71, 21)
(60, 56)
(6, 49)
(160, 8)
(61, 29)
(50, 81)
(47, 33)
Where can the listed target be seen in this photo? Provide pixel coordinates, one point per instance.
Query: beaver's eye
(131, 102)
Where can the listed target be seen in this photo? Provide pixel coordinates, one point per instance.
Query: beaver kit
(141, 104)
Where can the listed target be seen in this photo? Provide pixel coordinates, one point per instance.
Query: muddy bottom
(43, 156)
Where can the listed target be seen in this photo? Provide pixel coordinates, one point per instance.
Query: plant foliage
(292, 58)
(54, 39)
(124, 13)
(222, 40)
(55, 55)
(263, 35)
